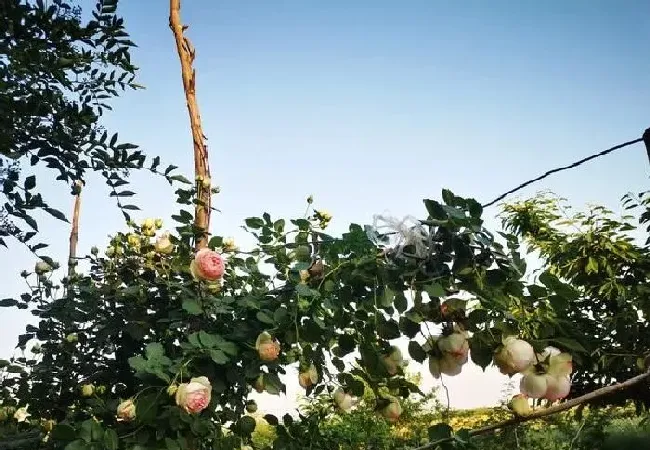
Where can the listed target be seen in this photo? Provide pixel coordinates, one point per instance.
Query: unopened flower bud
(42, 268)
(87, 390)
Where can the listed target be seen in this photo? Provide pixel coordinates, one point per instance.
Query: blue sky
(373, 105)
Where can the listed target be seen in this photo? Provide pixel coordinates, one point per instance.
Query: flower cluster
(545, 375)
(447, 353)
(192, 397)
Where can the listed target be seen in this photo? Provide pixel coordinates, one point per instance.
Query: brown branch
(598, 393)
(186, 54)
(74, 232)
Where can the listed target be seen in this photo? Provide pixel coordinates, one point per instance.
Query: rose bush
(181, 337)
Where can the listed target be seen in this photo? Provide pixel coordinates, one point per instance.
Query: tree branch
(598, 393)
(186, 54)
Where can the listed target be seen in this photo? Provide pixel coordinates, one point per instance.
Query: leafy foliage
(597, 253)
(57, 76)
(138, 323)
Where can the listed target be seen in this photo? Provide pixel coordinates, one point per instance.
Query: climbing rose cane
(207, 265)
(194, 396)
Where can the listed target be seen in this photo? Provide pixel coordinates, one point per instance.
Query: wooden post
(74, 232)
(186, 54)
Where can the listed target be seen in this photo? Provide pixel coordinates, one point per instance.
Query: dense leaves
(597, 253)
(57, 77)
(138, 323)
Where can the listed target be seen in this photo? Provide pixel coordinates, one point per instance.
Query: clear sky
(373, 105)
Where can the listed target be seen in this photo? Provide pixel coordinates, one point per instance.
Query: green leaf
(91, 431)
(111, 441)
(480, 352)
(388, 297)
(8, 302)
(477, 317)
(77, 445)
(154, 351)
(347, 344)
(435, 290)
(30, 182)
(63, 432)
(305, 291)
(388, 329)
(246, 425)
(262, 316)
(192, 307)
(416, 351)
(171, 444)
(218, 356)
(448, 197)
(56, 213)
(207, 339)
(435, 210)
(138, 363)
(180, 178)
(439, 431)
(228, 347)
(254, 222)
(146, 407)
(400, 302)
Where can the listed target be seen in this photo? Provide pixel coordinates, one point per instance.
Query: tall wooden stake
(186, 54)
(74, 232)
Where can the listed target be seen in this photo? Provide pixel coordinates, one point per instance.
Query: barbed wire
(562, 168)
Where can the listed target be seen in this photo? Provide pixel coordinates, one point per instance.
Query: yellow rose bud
(159, 223)
(304, 276)
(87, 390)
(133, 240)
(229, 245)
(171, 390)
(48, 425)
(163, 244)
(148, 223)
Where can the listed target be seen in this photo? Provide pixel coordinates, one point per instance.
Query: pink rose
(392, 411)
(268, 349)
(207, 265)
(194, 396)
